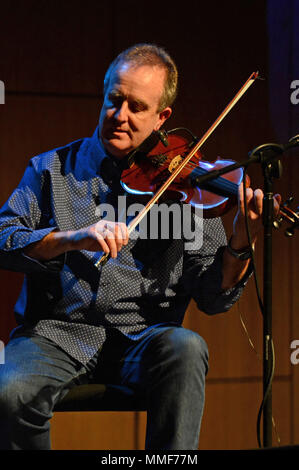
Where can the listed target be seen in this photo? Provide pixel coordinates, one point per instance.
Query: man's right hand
(104, 235)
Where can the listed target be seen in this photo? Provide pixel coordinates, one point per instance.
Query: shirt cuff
(242, 283)
(17, 260)
(53, 265)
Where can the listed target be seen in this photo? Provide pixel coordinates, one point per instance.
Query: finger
(118, 234)
(115, 235)
(258, 201)
(103, 245)
(241, 197)
(106, 238)
(249, 195)
(109, 237)
(124, 232)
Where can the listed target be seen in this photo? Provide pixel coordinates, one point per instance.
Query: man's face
(130, 109)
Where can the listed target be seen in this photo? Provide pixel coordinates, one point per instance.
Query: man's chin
(115, 148)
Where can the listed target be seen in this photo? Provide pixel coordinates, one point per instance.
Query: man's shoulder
(60, 156)
(62, 151)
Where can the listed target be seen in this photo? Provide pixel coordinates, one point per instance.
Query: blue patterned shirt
(68, 299)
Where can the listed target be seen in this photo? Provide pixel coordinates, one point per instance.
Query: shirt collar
(102, 163)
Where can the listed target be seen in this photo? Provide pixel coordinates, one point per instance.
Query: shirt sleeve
(25, 219)
(202, 271)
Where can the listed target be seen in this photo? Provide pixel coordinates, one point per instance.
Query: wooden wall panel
(94, 431)
(53, 56)
(294, 293)
(230, 353)
(31, 125)
(35, 124)
(55, 47)
(283, 36)
(294, 251)
(230, 417)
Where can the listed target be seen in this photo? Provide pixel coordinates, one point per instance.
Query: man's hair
(149, 54)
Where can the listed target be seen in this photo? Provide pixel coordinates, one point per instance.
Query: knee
(190, 346)
(7, 392)
(13, 391)
(187, 349)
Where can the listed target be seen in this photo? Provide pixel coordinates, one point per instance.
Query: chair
(101, 397)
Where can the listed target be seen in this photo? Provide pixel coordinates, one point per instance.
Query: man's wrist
(52, 245)
(238, 250)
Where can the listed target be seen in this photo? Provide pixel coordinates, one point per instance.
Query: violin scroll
(287, 214)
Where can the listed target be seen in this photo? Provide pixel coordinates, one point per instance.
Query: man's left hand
(254, 200)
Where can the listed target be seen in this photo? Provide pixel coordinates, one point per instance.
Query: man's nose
(121, 113)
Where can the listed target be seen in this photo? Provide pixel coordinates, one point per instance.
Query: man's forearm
(103, 236)
(233, 269)
(52, 245)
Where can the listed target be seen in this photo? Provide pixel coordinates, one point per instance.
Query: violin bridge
(175, 162)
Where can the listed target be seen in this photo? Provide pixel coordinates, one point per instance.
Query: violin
(148, 167)
(158, 158)
(182, 170)
(174, 173)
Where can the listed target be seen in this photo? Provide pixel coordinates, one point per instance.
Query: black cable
(269, 384)
(250, 245)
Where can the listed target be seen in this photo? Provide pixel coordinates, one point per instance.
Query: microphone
(293, 142)
(273, 151)
(163, 137)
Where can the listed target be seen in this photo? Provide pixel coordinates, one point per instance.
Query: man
(121, 323)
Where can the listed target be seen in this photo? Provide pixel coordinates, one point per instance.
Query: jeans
(167, 364)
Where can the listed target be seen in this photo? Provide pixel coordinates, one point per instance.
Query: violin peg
(289, 201)
(277, 223)
(289, 232)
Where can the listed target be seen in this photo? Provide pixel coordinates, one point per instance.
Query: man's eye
(115, 100)
(137, 107)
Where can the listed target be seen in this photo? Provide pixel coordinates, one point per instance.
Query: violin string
(222, 183)
(190, 164)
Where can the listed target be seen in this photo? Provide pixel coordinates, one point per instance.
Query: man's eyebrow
(116, 93)
(135, 101)
(140, 103)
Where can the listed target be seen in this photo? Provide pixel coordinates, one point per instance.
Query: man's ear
(163, 116)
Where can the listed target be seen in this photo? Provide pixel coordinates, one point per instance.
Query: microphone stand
(268, 156)
(268, 172)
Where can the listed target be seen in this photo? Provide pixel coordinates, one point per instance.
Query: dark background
(53, 56)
